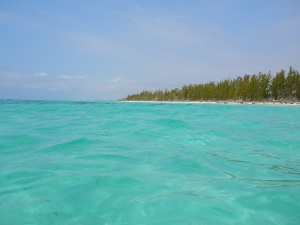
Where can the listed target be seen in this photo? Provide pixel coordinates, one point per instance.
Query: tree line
(260, 87)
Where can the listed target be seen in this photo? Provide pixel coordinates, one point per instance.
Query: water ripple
(130, 163)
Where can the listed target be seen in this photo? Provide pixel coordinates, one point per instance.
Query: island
(261, 88)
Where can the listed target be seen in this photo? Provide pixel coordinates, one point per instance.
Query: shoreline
(272, 103)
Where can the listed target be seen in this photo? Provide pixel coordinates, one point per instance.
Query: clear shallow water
(147, 163)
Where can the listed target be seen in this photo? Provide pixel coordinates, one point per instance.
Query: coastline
(271, 103)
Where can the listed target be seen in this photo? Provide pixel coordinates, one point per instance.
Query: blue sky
(105, 50)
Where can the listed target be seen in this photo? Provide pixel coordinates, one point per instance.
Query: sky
(105, 50)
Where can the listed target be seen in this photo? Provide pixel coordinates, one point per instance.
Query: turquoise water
(148, 163)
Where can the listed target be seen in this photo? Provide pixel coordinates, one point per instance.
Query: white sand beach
(273, 103)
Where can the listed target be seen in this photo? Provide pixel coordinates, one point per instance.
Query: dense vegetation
(259, 87)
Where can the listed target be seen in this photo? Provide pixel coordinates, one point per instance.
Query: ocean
(98, 162)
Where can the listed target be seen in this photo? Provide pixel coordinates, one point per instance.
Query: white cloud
(18, 19)
(42, 74)
(165, 29)
(71, 77)
(98, 44)
(9, 75)
(117, 79)
(291, 25)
